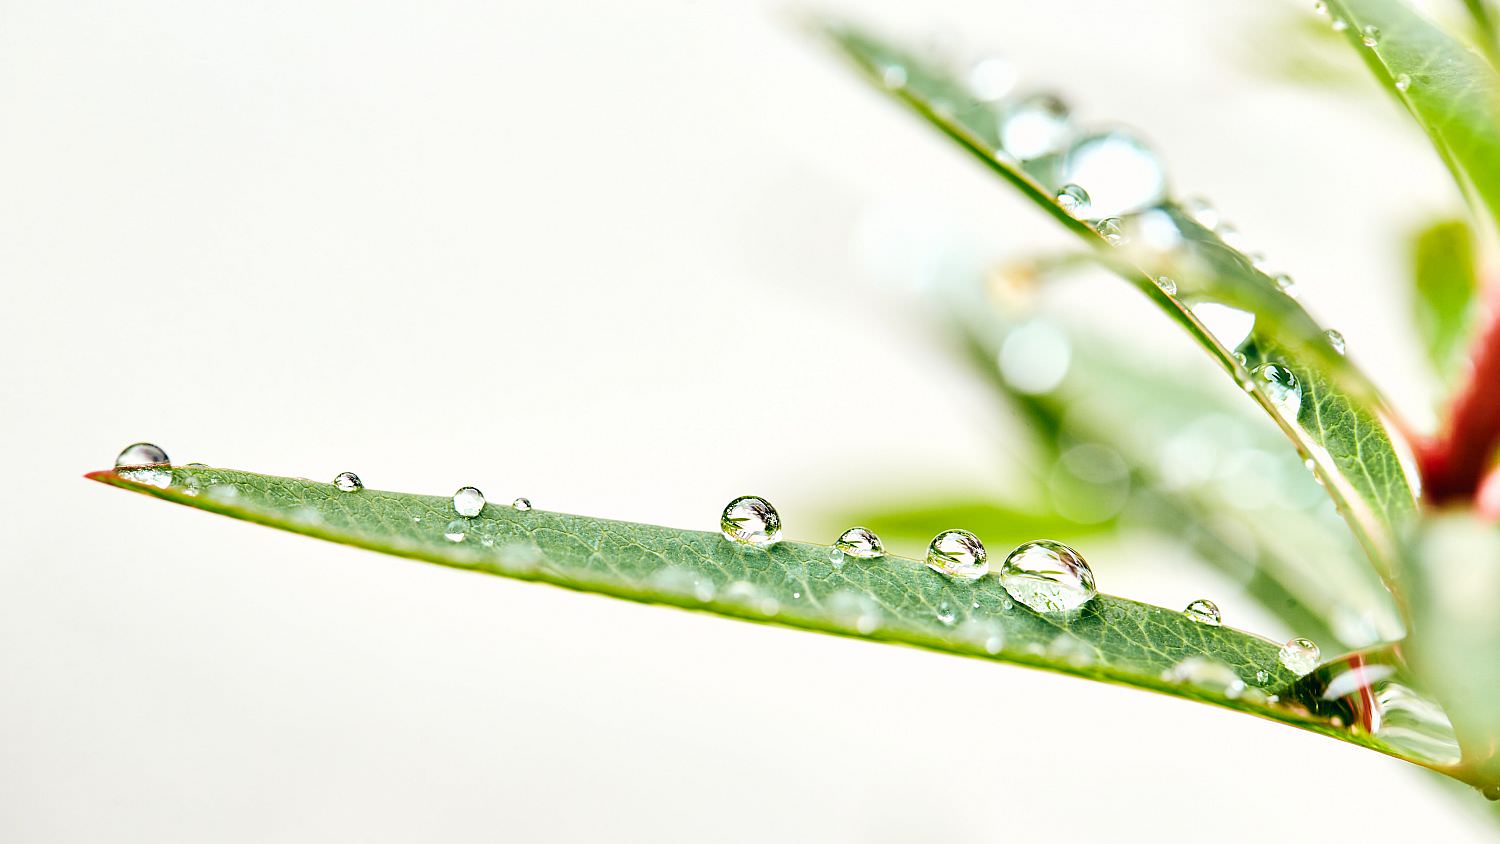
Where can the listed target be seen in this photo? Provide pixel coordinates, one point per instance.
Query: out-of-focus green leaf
(1218, 293)
(1453, 582)
(889, 599)
(1451, 90)
(1446, 283)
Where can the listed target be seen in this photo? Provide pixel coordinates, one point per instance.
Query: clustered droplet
(1048, 577)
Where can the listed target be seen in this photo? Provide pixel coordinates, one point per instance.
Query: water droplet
(1339, 24)
(1491, 792)
(836, 556)
(1048, 577)
(1120, 174)
(1286, 285)
(1230, 326)
(991, 78)
(1403, 82)
(348, 482)
(468, 502)
(1034, 126)
(1262, 676)
(1111, 230)
(1204, 611)
(860, 542)
(751, 520)
(946, 613)
(1320, 7)
(1335, 339)
(1208, 674)
(1035, 357)
(1281, 387)
(1074, 200)
(958, 553)
(1370, 35)
(893, 76)
(1167, 285)
(456, 530)
(522, 504)
(1203, 213)
(1300, 656)
(142, 454)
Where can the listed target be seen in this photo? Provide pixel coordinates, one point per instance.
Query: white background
(604, 255)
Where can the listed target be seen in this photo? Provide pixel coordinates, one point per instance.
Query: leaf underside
(889, 599)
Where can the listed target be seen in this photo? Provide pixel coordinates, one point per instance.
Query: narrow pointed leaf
(890, 599)
(1235, 311)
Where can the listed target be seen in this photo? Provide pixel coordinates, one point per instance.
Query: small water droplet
(1262, 676)
(1339, 24)
(1204, 611)
(1281, 387)
(991, 78)
(142, 454)
(1208, 674)
(1167, 285)
(946, 613)
(522, 504)
(1320, 7)
(860, 542)
(1202, 212)
(1335, 339)
(456, 530)
(1300, 656)
(1286, 284)
(1118, 172)
(1074, 200)
(468, 502)
(958, 553)
(836, 556)
(1048, 577)
(893, 76)
(1370, 35)
(1111, 230)
(1491, 792)
(751, 520)
(1239, 358)
(1034, 126)
(1403, 82)
(348, 482)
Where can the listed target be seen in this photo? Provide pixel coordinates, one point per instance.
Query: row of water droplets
(1047, 576)
(1369, 35)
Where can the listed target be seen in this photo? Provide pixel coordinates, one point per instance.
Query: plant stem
(1454, 463)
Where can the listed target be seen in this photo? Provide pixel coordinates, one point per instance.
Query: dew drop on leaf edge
(1300, 656)
(142, 454)
(1204, 611)
(523, 504)
(348, 482)
(860, 542)
(958, 553)
(1048, 577)
(1335, 340)
(468, 502)
(751, 520)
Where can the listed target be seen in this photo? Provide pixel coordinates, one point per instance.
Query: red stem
(1455, 462)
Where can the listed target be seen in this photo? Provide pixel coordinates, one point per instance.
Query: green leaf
(1446, 281)
(1451, 91)
(1453, 575)
(890, 599)
(1339, 425)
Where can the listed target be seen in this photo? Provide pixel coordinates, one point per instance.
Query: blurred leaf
(1232, 308)
(912, 524)
(1446, 285)
(1454, 586)
(1452, 91)
(889, 599)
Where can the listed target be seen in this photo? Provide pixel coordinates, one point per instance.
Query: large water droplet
(861, 543)
(1034, 126)
(1300, 656)
(142, 454)
(468, 502)
(1034, 358)
(991, 78)
(522, 504)
(1281, 387)
(1048, 577)
(751, 520)
(958, 553)
(348, 482)
(1074, 200)
(1230, 326)
(1204, 611)
(1119, 172)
